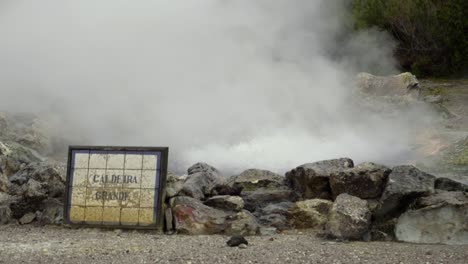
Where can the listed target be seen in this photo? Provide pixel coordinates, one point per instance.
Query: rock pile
(364, 202)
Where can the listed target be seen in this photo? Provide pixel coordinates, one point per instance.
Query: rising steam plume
(237, 84)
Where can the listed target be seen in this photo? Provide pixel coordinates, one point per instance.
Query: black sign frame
(158, 225)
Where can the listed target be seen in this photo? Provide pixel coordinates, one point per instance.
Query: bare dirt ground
(51, 244)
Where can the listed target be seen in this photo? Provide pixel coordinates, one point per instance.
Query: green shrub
(432, 35)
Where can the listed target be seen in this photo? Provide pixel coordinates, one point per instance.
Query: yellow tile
(148, 178)
(131, 178)
(133, 199)
(111, 215)
(145, 216)
(129, 216)
(77, 214)
(93, 215)
(97, 160)
(133, 161)
(81, 160)
(94, 197)
(114, 178)
(149, 162)
(113, 196)
(96, 177)
(115, 161)
(78, 196)
(147, 198)
(80, 177)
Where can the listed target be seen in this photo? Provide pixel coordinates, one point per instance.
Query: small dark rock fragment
(236, 240)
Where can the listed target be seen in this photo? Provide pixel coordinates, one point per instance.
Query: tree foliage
(432, 35)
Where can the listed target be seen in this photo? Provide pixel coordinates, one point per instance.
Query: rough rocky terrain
(61, 245)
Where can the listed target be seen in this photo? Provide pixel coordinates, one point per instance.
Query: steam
(237, 84)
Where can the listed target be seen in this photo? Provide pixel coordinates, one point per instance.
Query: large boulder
(443, 219)
(404, 84)
(174, 185)
(349, 218)
(311, 180)
(255, 200)
(309, 213)
(405, 184)
(254, 179)
(365, 181)
(192, 217)
(201, 180)
(275, 215)
(226, 202)
(447, 184)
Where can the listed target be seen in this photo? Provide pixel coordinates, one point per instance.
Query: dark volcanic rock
(253, 179)
(226, 202)
(201, 180)
(226, 189)
(365, 181)
(311, 180)
(349, 217)
(236, 240)
(405, 184)
(260, 198)
(447, 184)
(191, 216)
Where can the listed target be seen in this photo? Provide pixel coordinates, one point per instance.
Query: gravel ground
(28, 244)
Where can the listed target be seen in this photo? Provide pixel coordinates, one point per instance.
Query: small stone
(27, 218)
(243, 246)
(236, 240)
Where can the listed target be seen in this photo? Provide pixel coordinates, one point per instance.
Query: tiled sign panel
(114, 187)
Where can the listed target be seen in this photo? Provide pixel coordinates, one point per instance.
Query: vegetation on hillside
(432, 35)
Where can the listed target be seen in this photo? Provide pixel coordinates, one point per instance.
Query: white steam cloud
(237, 84)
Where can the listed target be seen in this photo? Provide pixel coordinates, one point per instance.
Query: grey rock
(405, 184)
(281, 208)
(226, 202)
(227, 189)
(277, 221)
(447, 184)
(395, 85)
(242, 246)
(349, 217)
(5, 214)
(191, 216)
(237, 240)
(50, 212)
(268, 231)
(169, 219)
(260, 198)
(27, 218)
(254, 179)
(309, 213)
(443, 220)
(365, 181)
(201, 180)
(173, 186)
(311, 180)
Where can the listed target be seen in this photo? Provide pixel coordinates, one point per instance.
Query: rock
(443, 220)
(260, 198)
(201, 180)
(50, 212)
(447, 184)
(226, 189)
(226, 202)
(173, 186)
(365, 181)
(3, 182)
(242, 223)
(405, 184)
(396, 85)
(383, 230)
(267, 231)
(309, 213)
(311, 180)
(278, 221)
(27, 218)
(237, 240)
(349, 217)
(253, 179)
(242, 246)
(169, 220)
(191, 216)
(5, 214)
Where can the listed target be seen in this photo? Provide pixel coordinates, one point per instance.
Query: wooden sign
(118, 187)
